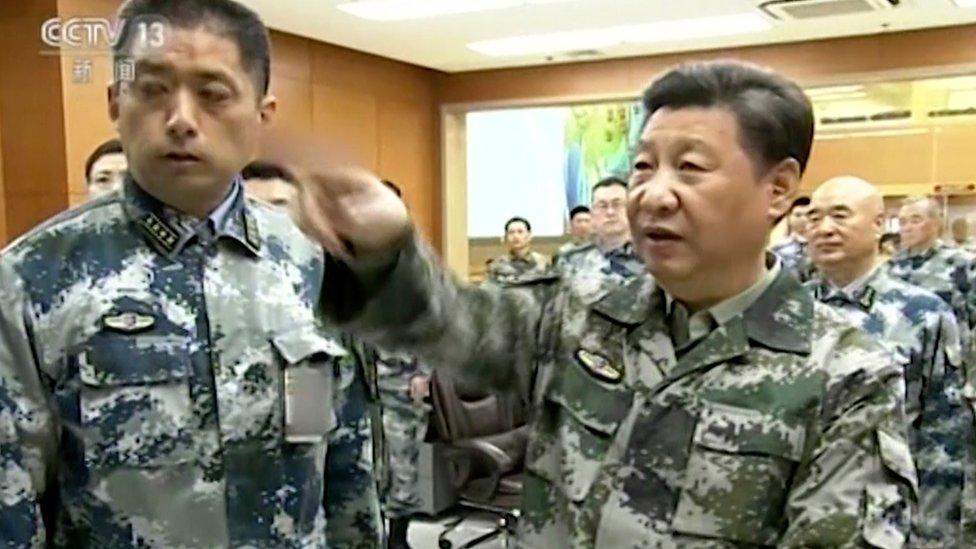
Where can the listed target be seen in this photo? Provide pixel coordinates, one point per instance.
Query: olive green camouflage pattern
(507, 268)
(404, 429)
(164, 382)
(920, 329)
(783, 427)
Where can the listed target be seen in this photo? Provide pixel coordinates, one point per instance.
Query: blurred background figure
(520, 261)
(960, 233)
(793, 251)
(269, 182)
(888, 246)
(105, 169)
(580, 231)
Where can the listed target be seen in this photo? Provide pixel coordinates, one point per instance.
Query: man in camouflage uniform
(713, 405)
(929, 263)
(580, 232)
(611, 255)
(846, 219)
(165, 380)
(520, 261)
(793, 251)
(947, 271)
(401, 388)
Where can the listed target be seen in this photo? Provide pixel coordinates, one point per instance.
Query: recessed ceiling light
(401, 10)
(641, 33)
(965, 3)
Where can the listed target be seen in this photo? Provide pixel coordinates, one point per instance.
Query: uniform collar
(779, 317)
(860, 293)
(169, 230)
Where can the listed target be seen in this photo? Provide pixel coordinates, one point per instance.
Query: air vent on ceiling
(813, 9)
(952, 112)
(879, 117)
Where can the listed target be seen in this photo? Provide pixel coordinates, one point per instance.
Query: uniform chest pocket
(738, 475)
(580, 417)
(310, 374)
(135, 408)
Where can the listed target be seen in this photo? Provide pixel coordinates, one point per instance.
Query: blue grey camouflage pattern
(794, 257)
(784, 426)
(946, 271)
(506, 268)
(949, 272)
(164, 382)
(352, 503)
(920, 329)
(404, 428)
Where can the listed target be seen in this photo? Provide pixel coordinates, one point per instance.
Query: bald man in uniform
(846, 220)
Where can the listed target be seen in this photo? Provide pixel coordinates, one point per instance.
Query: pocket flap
(898, 458)
(746, 431)
(303, 343)
(115, 359)
(597, 405)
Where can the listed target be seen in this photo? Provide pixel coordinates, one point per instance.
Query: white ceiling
(441, 42)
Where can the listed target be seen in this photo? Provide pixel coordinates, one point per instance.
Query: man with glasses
(611, 254)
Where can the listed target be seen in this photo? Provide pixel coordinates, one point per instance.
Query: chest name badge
(129, 322)
(598, 365)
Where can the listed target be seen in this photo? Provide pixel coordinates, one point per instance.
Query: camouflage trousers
(404, 426)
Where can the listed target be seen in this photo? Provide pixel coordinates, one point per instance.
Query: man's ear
(784, 181)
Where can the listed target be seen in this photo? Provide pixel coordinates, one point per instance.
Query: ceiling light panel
(403, 10)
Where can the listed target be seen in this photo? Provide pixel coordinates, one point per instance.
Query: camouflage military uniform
(946, 271)
(164, 382)
(783, 426)
(619, 263)
(508, 268)
(565, 249)
(921, 330)
(352, 501)
(793, 253)
(404, 426)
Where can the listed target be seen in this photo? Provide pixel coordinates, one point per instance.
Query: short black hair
(578, 210)
(393, 187)
(889, 237)
(225, 17)
(517, 219)
(800, 202)
(775, 117)
(260, 169)
(112, 146)
(608, 182)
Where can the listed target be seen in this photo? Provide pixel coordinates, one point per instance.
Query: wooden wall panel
(346, 120)
(883, 160)
(32, 129)
(955, 154)
(3, 208)
(406, 148)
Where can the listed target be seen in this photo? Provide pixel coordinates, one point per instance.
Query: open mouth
(661, 234)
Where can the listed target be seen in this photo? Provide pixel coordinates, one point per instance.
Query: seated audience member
(105, 169)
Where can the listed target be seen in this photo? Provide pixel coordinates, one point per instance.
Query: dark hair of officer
(608, 182)
(112, 146)
(528, 227)
(775, 117)
(231, 19)
(578, 210)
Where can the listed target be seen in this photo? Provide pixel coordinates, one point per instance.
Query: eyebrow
(157, 67)
(684, 143)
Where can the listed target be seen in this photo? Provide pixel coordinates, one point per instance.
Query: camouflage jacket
(784, 426)
(565, 249)
(506, 268)
(946, 271)
(920, 329)
(793, 254)
(164, 388)
(619, 264)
